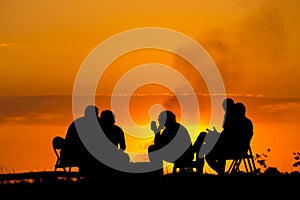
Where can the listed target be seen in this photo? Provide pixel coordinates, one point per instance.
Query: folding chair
(192, 166)
(57, 144)
(248, 160)
(197, 164)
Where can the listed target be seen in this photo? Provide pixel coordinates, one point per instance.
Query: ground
(154, 186)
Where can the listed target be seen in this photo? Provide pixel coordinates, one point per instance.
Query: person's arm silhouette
(154, 128)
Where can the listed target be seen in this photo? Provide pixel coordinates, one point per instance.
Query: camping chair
(195, 165)
(57, 144)
(192, 166)
(248, 160)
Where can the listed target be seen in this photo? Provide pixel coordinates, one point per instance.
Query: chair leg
(252, 165)
(246, 164)
(237, 165)
(234, 166)
(230, 167)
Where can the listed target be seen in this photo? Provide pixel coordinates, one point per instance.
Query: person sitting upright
(172, 142)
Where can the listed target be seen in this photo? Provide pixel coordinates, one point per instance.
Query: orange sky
(254, 44)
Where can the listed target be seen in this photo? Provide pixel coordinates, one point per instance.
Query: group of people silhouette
(75, 151)
(172, 141)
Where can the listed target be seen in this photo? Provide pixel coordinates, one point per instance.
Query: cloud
(281, 106)
(35, 110)
(263, 34)
(7, 44)
(57, 110)
(255, 45)
(14, 120)
(266, 109)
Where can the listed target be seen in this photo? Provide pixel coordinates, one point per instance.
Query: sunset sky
(254, 44)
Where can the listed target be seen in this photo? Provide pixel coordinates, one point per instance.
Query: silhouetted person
(172, 142)
(234, 139)
(243, 130)
(228, 107)
(74, 149)
(216, 158)
(227, 124)
(114, 133)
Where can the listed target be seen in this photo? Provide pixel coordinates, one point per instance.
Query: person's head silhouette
(227, 104)
(91, 111)
(166, 118)
(240, 109)
(107, 117)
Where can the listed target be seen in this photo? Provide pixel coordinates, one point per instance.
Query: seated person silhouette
(207, 138)
(243, 131)
(234, 138)
(172, 142)
(74, 150)
(114, 133)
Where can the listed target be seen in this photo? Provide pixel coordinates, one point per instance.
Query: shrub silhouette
(261, 159)
(297, 158)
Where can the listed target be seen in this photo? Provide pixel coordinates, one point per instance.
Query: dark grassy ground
(151, 185)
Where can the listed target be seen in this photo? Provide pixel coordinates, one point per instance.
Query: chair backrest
(57, 144)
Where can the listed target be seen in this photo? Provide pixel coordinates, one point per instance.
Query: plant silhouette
(297, 158)
(261, 159)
